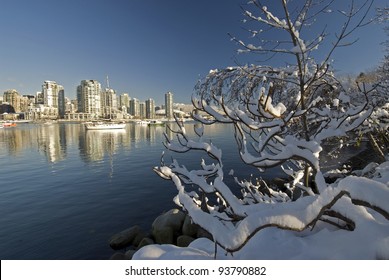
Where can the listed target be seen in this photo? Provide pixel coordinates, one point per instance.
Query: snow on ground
(276, 244)
(369, 239)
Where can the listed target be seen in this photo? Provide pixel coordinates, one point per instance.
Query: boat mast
(107, 91)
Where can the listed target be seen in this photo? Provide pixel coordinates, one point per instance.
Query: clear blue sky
(145, 47)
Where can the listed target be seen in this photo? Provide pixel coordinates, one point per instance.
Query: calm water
(65, 191)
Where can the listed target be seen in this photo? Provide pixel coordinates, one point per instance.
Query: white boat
(142, 122)
(104, 125)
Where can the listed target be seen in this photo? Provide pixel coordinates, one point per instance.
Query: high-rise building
(150, 109)
(74, 106)
(134, 107)
(124, 100)
(53, 97)
(24, 103)
(142, 110)
(12, 97)
(109, 98)
(169, 105)
(39, 98)
(50, 91)
(89, 97)
(108, 102)
(61, 102)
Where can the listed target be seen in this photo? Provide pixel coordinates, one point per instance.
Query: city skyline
(92, 102)
(146, 48)
(46, 86)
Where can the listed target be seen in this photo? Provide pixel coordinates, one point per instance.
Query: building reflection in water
(49, 142)
(47, 139)
(54, 141)
(95, 144)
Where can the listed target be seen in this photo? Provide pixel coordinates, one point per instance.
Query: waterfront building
(150, 109)
(72, 116)
(36, 112)
(50, 90)
(74, 105)
(24, 105)
(69, 106)
(28, 102)
(61, 102)
(169, 105)
(124, 100)
(31, 99)
(135, 107)
(142, 110)
(89, 98)
(6, 109)
(39, 98)
(53, 98)
(109, 103)
(13, 98)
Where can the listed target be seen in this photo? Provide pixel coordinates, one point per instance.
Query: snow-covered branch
(297, 216)
(281, 117)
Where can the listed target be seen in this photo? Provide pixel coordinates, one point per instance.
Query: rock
(129, 254)
(184, 240)
(167, 225)
(173, 218)
(119, 256)
(145, 241)
(125, 237)
(188, 228)
(163, 235)
(202, 233)
(140, 236)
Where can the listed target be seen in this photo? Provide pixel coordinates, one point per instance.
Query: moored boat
(8, 124)
(142, 122)
(104, 125)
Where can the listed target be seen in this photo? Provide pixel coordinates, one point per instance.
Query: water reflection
(48, 140)
(75, 181)
(53, 141)
(95, 144)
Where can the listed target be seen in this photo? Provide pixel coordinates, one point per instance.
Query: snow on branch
(281, 116)
(269, 112)
(297, 216)
(291, 24)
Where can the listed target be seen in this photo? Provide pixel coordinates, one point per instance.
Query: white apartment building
(13, 98)
(124, 100)
(50, 94)
(53, 98)
(109, 103)
(89, 98)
